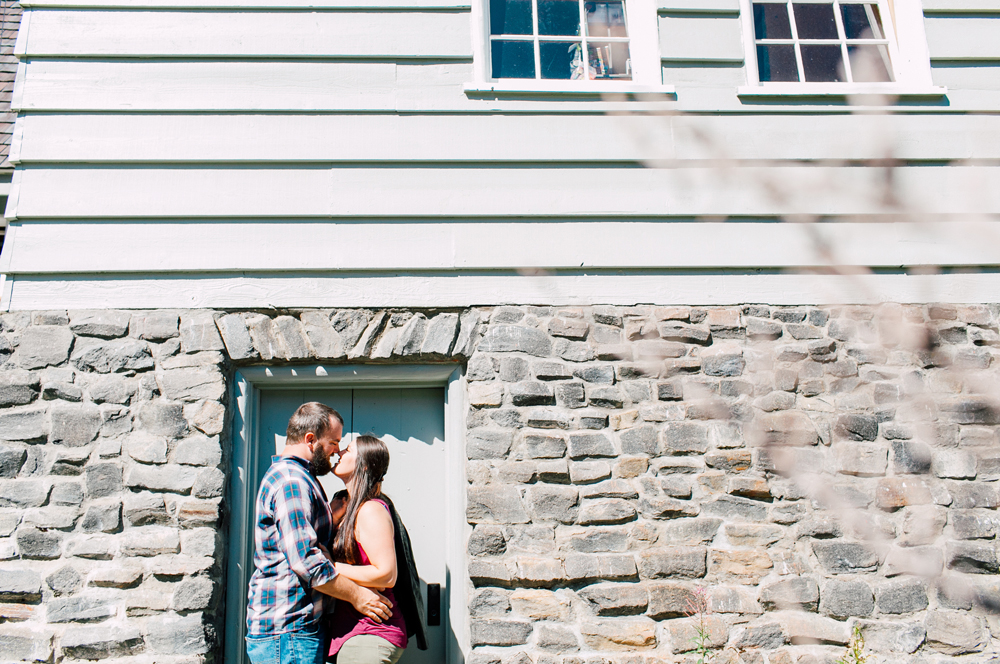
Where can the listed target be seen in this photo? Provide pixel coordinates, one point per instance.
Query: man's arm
(367, 602)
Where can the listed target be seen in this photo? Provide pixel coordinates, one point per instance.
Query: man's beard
(320, 463)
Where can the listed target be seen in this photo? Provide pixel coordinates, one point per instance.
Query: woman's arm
(373, 530)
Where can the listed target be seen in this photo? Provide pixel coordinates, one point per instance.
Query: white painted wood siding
(244, 142)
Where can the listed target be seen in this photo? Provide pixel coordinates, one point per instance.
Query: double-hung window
(839, 41)
(559, 39)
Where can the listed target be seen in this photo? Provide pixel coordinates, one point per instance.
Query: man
(292, 575)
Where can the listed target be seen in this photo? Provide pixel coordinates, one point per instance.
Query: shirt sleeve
(296, 535)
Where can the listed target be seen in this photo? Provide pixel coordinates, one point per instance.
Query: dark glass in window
(857, 24)
(510, 17)
(770, 21)
(610, 60)
(558, 17)
(822, 63)
(561, 60)
(606, 19)
(513, 59)
(868, 63)
(815, 21)
(776, 62)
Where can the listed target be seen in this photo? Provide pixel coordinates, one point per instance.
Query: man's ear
(309, 438)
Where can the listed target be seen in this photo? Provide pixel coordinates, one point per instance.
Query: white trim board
(458, 290)
(165, 247)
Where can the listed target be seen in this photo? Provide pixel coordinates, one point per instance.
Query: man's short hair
(312, 417)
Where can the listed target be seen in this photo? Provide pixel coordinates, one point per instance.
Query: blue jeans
(302, 647)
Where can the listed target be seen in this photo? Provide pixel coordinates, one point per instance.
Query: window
(821, 42)
(546, 39)
(836, 47)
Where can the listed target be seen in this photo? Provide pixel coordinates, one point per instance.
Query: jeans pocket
(306, 647)
(264, 649)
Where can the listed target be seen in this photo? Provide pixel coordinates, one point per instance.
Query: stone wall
(809, 469)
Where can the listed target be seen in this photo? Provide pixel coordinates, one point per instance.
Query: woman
(364, 552)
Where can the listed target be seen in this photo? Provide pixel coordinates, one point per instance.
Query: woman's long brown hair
(370, 467)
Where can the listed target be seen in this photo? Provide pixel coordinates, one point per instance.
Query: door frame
(247, 384)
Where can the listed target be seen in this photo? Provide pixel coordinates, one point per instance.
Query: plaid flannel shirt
(292, 517)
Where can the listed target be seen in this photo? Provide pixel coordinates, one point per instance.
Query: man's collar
(291, 457)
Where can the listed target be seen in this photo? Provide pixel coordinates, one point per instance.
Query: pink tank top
(347, 622)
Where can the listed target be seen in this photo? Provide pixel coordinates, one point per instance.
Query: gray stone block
(573, 351)
(892, 637)
(488, 443)
(209, 483)
(106, 324)
(513, 369)
(441, 333)
(544, 446)
(669, 599)
(691, 531)
(974, 524)
(236, 337)
(42, 346)
(162, 417)
(970, 495)
(38, 544)
(191, 385)
(661, 562)
(150, 541)
(79, 609)
(605, 397)
(144, 508)
(685, 438)
(606, 511)
(487, 540)
(20, 585)
(198, 451)
(171, 477)
(767, 635)
(493, 504)
(23, 493)
(972, 557)
(570, 328)
(293, 339)
(194, 594)
(66, 493)
(18, 387)
(12, 459)
(553, 503)
(411, 337)
(155, 325)
(28, 424)
(610, 489)
(583, 567)
(954, 464)
(845, 599)
(470, 324)
(499, 632)
(105, 518)
(910, 457)
(26, 644)
(683, 332)
(799, 593)
(101, 642)
(759, 329)
(111, 388)
(531, 393)
(570, 395)
(489, 572)
(723, 364)
(860, 459)
(146, 447)
(556, 639)
(600, 374)
(64, 581)
(840, 557)
(661, 507)
(103, 479)
(600, 540)
(512, 338)
(112, 356)
(616, 599)
(198, 332)
(74, 425)
(582, 445)
(736, 507)
(640, 440)
(901, 596)
(489, 602)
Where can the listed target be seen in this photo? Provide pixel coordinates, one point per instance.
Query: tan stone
(485, 394)
(806, 628)
(713, 480)
(750, 487)
(622, 635)
(894, 492)
(18, 612)
(539, 604)
(629, 467)
(747, 567)
(672, 313)
(118, 576)
(623, 420)
(209, 418)
(752, 534)
(723, 318)
(684, 632)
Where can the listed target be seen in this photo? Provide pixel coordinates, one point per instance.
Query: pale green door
(411, 422)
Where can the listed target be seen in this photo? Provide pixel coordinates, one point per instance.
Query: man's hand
(372, 604)
(367, 601)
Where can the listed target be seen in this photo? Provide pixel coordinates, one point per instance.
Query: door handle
(433, 604)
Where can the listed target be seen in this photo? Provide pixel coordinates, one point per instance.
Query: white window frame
(903, 25)
(644, 52)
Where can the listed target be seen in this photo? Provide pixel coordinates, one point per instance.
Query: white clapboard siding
(391, 138)
(960, 38)
(174, 86)
(698, 6)
(249, 4)
(43, 192)
(280, 246)
(258, 34)
(241, 291)
(701, 38)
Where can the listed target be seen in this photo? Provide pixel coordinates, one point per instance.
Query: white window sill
(550, 87)
(831, 90)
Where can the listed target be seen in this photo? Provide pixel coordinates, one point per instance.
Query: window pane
(513, 59)
(561, 60)
(770, 21)
(558, 17)
(609, 60)
(815, 21)
(861, 21)
(510, 17)
(869, 63)
(606, 19)
(822, 63)
(777, 63)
